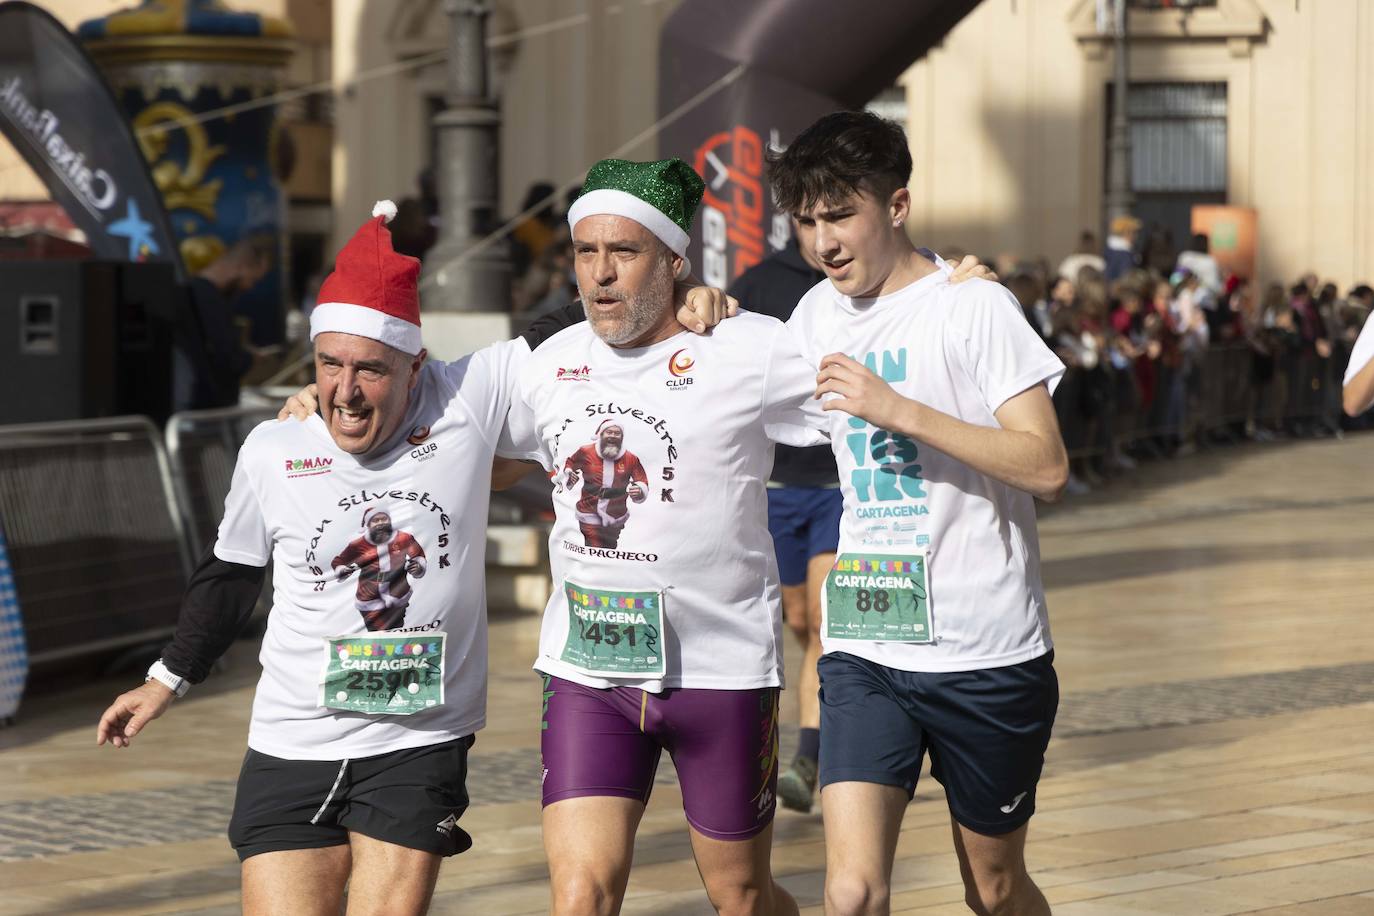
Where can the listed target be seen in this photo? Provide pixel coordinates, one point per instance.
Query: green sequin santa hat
(661, 196)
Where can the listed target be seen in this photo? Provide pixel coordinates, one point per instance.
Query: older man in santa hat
(357, 749)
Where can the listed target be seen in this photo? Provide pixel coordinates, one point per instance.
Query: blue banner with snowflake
(58, 112)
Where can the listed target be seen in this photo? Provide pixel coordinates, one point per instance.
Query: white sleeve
(520, 434)
(1362, 352)
(486, 381)
(791, 415)
(1002, 352)
(243, 536)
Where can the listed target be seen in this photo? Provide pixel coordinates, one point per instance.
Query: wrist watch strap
(158, 672)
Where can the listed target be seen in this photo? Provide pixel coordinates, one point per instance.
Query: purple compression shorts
(724, 744)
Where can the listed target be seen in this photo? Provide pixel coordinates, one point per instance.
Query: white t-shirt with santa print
(964, 349)
(388, 543)
(659, 457)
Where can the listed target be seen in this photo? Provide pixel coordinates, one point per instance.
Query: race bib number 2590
(383, 675)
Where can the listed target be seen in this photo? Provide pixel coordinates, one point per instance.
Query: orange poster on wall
(1231, 234)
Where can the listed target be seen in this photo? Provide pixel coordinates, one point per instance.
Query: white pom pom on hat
(385, 209)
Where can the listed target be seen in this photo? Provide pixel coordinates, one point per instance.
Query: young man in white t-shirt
(374, 660)
(935, 633)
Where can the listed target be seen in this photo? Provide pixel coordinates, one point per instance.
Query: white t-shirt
(963, 349)
(1070, 267)
(678, 505)
(1203, 266)
(300, 500)
(1361, 353)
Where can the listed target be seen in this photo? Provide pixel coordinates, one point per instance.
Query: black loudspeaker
(82, 339)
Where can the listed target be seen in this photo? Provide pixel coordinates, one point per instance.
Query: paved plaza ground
(1214, 751)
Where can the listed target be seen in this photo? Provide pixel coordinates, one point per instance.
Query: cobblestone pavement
(80, 823)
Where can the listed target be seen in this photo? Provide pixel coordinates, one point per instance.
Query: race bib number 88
(614, 633)
(878, 598)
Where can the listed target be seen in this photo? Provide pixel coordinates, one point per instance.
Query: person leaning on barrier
(374, 659)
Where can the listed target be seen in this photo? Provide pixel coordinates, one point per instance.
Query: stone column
(1119, 197)
(456, 277)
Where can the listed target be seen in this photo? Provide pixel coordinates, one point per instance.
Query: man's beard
(610, 450)
(379, 535)
(642, 311)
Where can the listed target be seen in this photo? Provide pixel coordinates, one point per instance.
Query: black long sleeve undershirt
(548, 325)
(219, 601)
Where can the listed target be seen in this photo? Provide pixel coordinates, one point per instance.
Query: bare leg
(809, 683)
(739, 877)
(794, 612)
(390, 880)
(862, 823)
(590, 844)
(797, 783)
(994, 872)
(296, 882)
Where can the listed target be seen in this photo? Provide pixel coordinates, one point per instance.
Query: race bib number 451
(613, 633)
(383, 675)
(878, 597)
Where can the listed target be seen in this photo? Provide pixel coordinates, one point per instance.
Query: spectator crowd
(1167, 354)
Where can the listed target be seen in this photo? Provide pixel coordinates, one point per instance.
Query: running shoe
(797, 785)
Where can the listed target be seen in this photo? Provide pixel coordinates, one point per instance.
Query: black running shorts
(411, 798)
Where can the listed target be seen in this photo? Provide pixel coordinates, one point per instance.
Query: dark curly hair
(844, 153)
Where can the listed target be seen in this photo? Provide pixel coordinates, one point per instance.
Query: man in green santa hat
(666, 638)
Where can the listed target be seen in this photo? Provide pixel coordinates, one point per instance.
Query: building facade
(1265, 104)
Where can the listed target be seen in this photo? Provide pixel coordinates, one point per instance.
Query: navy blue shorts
(804, 522)
(986, 732)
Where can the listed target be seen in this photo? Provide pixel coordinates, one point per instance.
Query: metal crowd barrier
(1219, 391)
(96, 542)
(202, 446)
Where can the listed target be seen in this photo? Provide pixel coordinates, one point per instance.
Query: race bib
(383, 675)
(878, 597)
(614, 633)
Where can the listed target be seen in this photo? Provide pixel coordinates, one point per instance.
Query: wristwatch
(158, 672)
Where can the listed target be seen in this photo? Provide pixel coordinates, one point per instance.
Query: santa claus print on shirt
(382, 557)
(611, 478)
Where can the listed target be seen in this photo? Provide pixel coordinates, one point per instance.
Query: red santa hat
(373, 291)
(374, 510)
